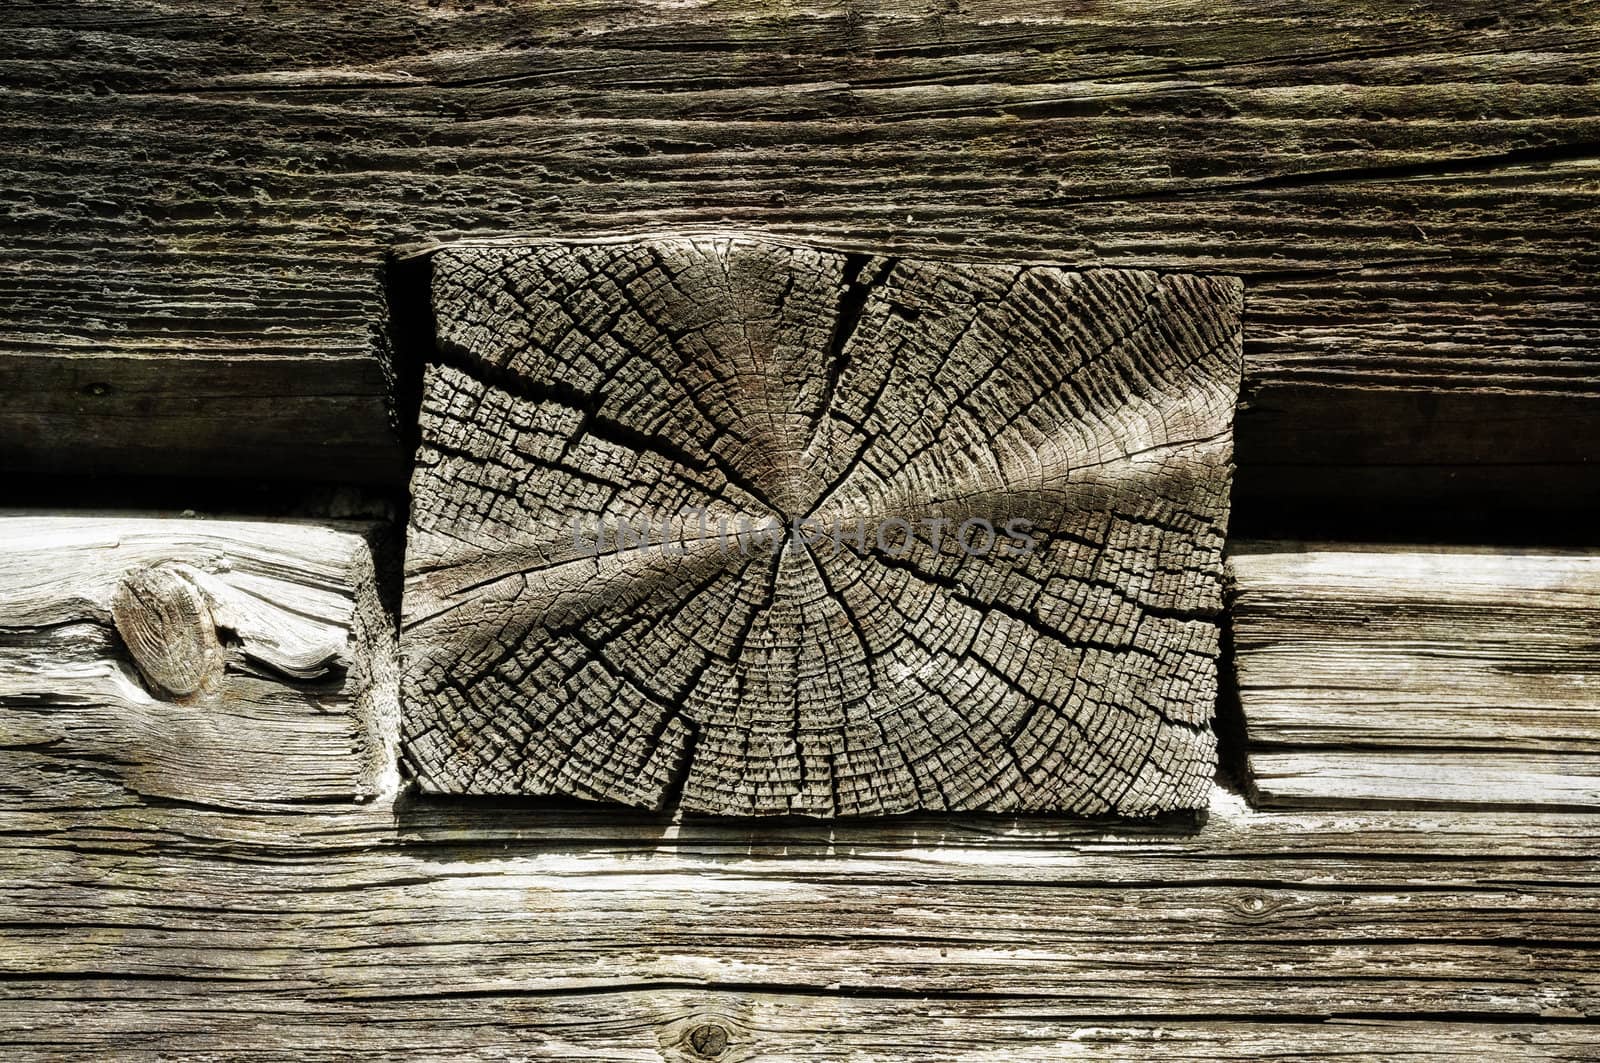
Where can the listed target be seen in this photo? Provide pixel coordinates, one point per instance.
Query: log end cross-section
(749, 528)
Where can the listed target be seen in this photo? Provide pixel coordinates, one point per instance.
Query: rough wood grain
(542, 933)
(228, 663)
(143, 926)
(764, 529)
(1408, 674)
(693, 1026)
(1408, 190)
(696, 1025)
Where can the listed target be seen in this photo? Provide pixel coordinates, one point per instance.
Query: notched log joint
(808, 441)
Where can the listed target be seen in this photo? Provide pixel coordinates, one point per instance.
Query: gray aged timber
(1410, 674)
(202, 197)
(235, 664)
(220, 224)
(1035, 464)
(159, 903)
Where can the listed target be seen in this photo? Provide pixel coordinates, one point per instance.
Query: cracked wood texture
(1036, 463)
(199, 198)
(152, 914)
(1421, 675)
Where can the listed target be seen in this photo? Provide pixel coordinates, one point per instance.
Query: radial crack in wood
(757, 528)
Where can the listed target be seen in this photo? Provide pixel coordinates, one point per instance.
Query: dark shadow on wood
(1415, 465)
(408, 339)
(457, 824)
(1233, 763)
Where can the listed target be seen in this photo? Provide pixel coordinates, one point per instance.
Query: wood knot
(167, 626)
(1257, 907)
(706, 1033)
(708, 1039)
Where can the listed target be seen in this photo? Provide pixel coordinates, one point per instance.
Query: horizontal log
(153, 907)
(217, 663)
(473, 926)
(1407, 195)
(154, 903)
(1413, 464)
(232, 415)
(1398, 674)
(693, 1025)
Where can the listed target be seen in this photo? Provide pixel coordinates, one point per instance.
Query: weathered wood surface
(763, 529)
(688, 1026)
(228, 663)
(151, 909)
(1389, 675)
(1409, 191)
(496, 931)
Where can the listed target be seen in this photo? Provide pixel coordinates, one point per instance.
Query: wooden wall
(204, 201)
(213, 298)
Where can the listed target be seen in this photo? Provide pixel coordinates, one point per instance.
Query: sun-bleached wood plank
(1398, 674)
(214, 662)
(483, 928)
